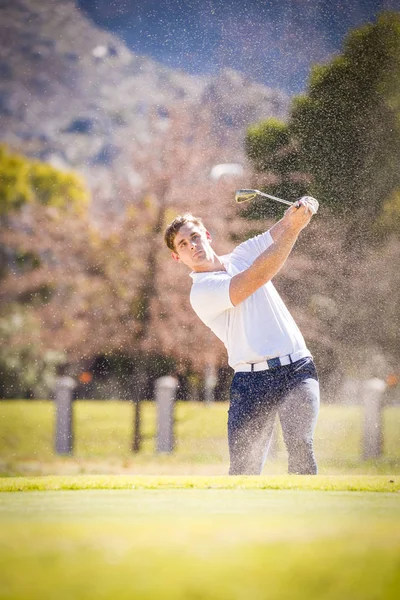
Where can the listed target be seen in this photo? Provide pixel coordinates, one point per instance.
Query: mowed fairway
(211, 538)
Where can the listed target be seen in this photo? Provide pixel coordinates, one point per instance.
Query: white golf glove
(310, 202)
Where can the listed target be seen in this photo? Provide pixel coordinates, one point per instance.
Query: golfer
(274, 371)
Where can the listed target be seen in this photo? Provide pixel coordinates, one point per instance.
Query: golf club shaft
(275, 198)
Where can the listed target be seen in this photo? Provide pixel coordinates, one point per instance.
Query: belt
(272, 363)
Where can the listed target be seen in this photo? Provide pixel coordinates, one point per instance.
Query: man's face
(192, 247)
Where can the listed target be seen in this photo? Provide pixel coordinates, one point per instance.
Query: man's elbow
(234, 300)
(240, 292)
(235, 294)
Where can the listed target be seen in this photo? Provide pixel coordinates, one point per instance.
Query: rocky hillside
(75, 96)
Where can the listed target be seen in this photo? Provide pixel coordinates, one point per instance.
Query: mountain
(276, 42)
(74, 95)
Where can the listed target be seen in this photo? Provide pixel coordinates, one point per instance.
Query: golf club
(246, 195)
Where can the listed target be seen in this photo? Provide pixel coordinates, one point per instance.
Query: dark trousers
(292, 391)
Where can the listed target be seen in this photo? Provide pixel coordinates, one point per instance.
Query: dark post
(137, 416)
(137, 438)
(64, 435)
(373, 436)
(165, 398)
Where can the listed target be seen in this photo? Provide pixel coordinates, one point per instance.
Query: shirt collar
(225, 261)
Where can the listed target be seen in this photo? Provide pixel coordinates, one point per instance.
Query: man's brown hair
(174, 227)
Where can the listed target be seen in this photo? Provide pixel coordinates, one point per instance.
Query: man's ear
(175, 256)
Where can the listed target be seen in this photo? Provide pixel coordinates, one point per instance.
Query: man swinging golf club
(274, 371)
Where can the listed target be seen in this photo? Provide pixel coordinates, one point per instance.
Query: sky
(274, 42)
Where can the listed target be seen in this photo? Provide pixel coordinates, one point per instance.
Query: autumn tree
(26, 187)
(113, 291)
(176, 177)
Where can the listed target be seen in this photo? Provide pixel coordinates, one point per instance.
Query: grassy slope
(103, 434)
(200, 543)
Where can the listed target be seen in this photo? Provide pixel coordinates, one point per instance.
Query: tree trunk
(137, 412)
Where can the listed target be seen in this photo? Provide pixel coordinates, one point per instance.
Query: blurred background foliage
(26, 181)
(343, 135)
(102, 294)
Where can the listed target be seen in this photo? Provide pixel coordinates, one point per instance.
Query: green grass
(190, 538)
(109, 524)
(103, 437)
(338, 483)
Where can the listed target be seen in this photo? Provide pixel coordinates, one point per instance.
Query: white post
(64, 434)
(165, 398)
(273, 444)
(373, 436)
(210, 381)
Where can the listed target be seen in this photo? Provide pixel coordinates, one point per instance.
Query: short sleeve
(210, 297)
(254, 246)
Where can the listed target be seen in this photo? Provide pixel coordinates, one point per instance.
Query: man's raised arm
(266, 266)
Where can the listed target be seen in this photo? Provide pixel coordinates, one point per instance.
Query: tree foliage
(345, 132)
(37, 205)
(348, 125)
(109, 290)
(343, 140)
(109, 293)
(24, 181)
(25, 369)
(274, 153)
(265, 143)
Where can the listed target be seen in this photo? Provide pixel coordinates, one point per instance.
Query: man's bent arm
(268, 264)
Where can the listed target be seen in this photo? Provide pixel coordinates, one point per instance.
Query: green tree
(264, 144)
(344, 133)
(24, 181)
(29, 182)
(348, 124)
(273, 152)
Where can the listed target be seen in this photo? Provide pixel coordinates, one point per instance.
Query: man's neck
(214, 264)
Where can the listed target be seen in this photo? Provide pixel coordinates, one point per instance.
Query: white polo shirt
(257, 329)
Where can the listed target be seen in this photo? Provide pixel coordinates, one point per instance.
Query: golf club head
(245, 195)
